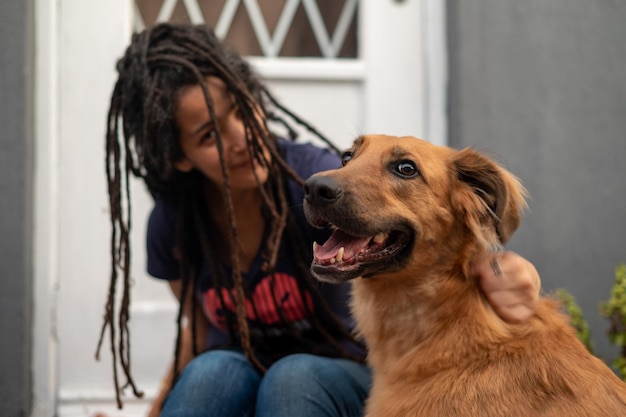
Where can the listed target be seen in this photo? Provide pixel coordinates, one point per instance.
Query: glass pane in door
(266, 28)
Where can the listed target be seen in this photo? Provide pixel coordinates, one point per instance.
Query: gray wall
(541, 84)
(16, 172)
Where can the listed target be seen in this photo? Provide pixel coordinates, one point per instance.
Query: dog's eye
(346, 157)
(406, 169)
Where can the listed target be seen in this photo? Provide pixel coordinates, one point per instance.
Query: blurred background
(540, 85)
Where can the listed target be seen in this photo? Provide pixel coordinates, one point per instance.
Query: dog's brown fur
(436, 347)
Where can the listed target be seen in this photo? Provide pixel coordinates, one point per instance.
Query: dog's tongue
(352, 246)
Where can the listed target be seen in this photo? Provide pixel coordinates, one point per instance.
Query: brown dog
(409, 218)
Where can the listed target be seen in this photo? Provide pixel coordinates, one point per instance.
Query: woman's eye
(346, 157)
(209, 136)
(406, 169)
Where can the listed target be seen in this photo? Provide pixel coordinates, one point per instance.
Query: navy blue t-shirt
(281, 285)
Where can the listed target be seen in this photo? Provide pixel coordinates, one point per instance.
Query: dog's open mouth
(345, 256)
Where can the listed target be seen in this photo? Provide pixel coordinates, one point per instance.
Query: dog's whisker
(495, 266)
(484, 196)
(496, 247)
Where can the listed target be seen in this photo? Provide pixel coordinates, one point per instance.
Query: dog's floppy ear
(489, 196)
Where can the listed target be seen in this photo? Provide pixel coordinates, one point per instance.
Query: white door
(394, 84)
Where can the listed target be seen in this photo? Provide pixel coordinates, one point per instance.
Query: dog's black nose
(320, 190)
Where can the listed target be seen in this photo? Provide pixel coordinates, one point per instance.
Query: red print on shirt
(286, 293)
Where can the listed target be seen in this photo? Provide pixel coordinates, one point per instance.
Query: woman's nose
(235, 134)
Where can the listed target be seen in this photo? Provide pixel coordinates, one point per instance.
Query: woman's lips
(241, 165)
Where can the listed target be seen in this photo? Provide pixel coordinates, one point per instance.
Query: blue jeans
(223, 383)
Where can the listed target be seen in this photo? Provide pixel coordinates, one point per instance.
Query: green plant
(615, 311)
(577, 320)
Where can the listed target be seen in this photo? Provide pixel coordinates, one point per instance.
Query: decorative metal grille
(269, 28)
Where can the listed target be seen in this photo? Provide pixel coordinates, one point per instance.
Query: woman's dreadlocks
(158, 63)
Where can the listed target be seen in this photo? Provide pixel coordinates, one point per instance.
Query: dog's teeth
(314, 246)
(332, 260)
(339, 256)
(380, 237)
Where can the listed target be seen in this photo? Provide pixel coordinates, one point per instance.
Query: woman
(257, 335)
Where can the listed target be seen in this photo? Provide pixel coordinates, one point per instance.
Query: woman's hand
(510, 283)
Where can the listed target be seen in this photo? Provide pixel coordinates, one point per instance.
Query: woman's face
(198, 137)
